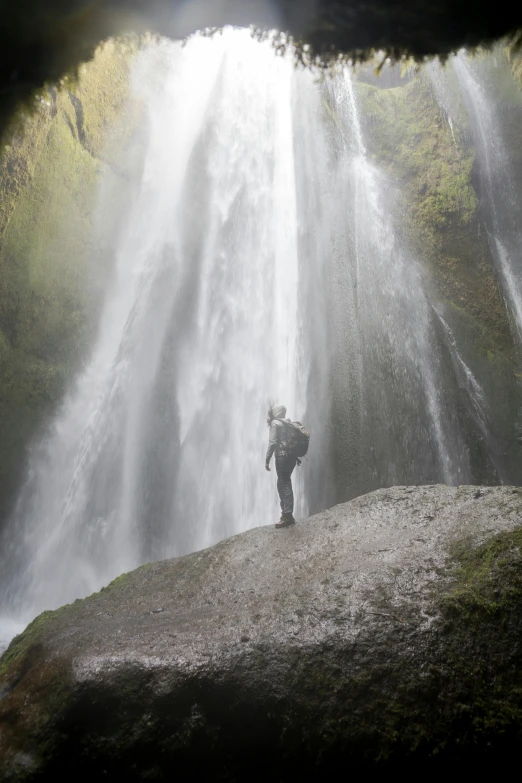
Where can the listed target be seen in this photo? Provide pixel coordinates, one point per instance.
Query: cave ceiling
(41, 40)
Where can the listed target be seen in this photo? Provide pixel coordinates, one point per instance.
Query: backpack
(297, 438)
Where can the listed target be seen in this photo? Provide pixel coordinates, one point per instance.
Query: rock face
(438, 201)
(385, 631)
(53, 264)
(42, 45)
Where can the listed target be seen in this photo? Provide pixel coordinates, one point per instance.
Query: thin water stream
(503, 205)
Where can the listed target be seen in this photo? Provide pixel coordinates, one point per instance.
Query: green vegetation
(48, 263)
(19, 653)
(483, 610)
(488, 577)
(412, 141)
(432, 173)
(470, 692)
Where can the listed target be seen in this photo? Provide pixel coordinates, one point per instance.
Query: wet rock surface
(384, 631)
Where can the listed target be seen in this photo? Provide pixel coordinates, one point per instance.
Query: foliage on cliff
(411, 138)
(48, 179)
(419, 134)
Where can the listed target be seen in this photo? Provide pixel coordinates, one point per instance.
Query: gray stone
(385, 631)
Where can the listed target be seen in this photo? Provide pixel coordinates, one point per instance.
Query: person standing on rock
(285, 463)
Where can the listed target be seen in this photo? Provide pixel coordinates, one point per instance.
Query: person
(284, 462)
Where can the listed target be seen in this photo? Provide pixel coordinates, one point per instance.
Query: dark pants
(284, 467)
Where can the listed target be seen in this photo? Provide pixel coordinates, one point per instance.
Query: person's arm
(272, 443)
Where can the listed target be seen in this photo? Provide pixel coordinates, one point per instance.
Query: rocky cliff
(417, 131)
(383, 633)
(51, 266)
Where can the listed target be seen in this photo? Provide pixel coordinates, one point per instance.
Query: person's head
(276, 412)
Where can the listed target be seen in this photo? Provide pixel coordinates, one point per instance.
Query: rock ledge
(385, 631)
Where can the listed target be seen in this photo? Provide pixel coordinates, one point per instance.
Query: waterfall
(478, 405)
(159, 447)
(260, 260)
(403, 431)
(502, 202)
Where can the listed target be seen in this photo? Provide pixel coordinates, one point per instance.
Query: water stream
(389, 362)
(503, 205)
(259, 261)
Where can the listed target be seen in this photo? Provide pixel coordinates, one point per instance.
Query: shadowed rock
(385, 631)
(43, 40)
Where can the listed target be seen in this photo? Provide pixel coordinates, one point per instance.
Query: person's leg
(285, 467)
(281, 481)
(288, 489)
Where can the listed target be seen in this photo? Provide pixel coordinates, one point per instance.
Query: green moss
(410, 139)
(436, 201)
(118, 583)
(49, 294)
(102, 91)
(473, 696)
(488, 578)
(481, 621)
(21, 646)
(432, 176)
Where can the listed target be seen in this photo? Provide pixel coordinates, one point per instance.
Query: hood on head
(278, 411)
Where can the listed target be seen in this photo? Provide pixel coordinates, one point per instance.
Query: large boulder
(385, 631)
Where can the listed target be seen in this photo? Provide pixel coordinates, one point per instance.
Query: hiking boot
(286, 521)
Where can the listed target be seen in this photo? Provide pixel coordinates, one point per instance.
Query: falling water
(478, 407)
(503, 204)
(441, 84)
(403, 433)
(259, 260)
(158, 449)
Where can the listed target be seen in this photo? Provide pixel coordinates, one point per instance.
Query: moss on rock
(48, 180)
(412, 141)
(16, 657)
(488, 576)
(418, 134)
(479, 614)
